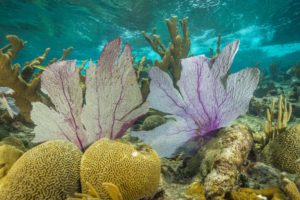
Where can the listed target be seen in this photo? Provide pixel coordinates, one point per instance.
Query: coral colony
(208, 98)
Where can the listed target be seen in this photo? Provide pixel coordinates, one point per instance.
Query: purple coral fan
(112, 103)
(208, 98)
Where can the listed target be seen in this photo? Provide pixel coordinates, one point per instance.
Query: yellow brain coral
(48, 171)
(135, 172)
(8, 156)
(284, 151)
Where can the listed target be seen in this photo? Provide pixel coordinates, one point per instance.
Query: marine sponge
(48, 171)
(136, 172)
(284, 150)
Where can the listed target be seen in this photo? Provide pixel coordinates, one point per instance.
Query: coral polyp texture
(207, 99)
(48, 171)
(284, 150)
(136, 172)
(112, 102)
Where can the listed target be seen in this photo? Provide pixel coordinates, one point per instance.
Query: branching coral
(23, 81)
(179, 47)
(272, 128)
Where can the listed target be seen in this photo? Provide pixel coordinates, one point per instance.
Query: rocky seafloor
(243, 161)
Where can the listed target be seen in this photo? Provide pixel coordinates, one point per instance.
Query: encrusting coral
(257, 194)
(49, 171)
(136, 172)
(179, 47)
(24, 81)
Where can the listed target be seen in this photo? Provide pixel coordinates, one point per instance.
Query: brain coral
(8, 156)
(48, 171)
(135, 172)
(284, 151)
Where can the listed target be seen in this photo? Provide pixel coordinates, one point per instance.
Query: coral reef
(284, 112)
(290, 188)
(195, 191)
(142, 76)
(111, 189)
(8, 156)
(222, 158)
(152, 121)
(284, 150)
(24, 81)
(48, 171)
(207, 99)
(257, 194)
(178, 49)
(111, 104)
(136, 172)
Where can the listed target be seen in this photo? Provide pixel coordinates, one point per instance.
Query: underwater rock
(222, 157)
(136, 172)
(261, 175)
(49, 171)
(284, 150)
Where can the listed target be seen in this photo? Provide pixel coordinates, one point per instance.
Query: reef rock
(222, 157)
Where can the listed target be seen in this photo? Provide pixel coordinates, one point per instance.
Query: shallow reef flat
(120, 129)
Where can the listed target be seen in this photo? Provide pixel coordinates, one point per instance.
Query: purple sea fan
(207, 99)
(112, 100)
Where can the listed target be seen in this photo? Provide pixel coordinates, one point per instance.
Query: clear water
(269, 30)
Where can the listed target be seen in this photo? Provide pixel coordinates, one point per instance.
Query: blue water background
(269, 30)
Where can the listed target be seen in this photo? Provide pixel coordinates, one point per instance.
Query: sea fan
(208, 98)
(112, 99)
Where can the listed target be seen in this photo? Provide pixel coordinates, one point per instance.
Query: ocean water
(268, 30)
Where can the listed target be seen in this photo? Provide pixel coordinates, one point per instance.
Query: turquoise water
(269, 30)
